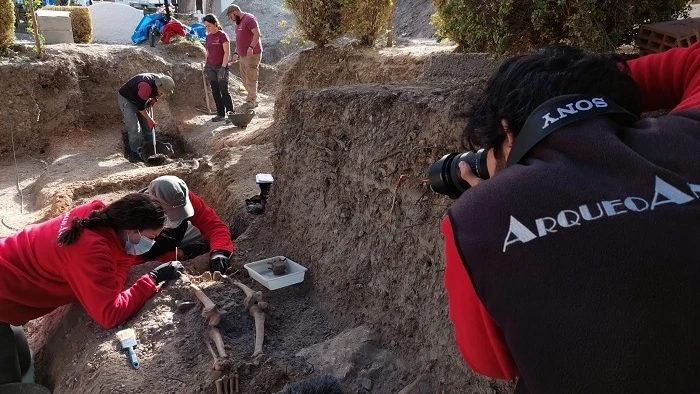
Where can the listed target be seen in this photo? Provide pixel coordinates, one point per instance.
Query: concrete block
(659, 37)
(55, 26)
(54, 20)
(58, 37)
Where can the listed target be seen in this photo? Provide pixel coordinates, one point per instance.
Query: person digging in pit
(136, 99)
(192, 227)
(84, 255)
(575, 266)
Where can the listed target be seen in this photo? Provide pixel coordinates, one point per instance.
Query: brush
(127, 338)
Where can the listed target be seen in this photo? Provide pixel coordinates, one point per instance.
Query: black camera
(444, 174)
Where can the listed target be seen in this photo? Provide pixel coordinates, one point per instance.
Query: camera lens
(444, 174)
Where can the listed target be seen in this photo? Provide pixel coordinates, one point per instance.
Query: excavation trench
(348, 125)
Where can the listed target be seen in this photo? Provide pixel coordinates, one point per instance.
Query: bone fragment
(215, 336)
(209, 312)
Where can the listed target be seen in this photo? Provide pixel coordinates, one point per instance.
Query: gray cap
(165, 84)
(172, 192)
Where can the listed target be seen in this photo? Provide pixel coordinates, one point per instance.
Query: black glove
(222, 73)
(194, 249)
(218, 262)
(167, 271)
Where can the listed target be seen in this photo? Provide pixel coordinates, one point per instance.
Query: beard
(237, 18)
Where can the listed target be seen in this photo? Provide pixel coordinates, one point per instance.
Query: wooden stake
(35, 26)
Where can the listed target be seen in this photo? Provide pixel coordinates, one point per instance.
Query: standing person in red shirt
(84, 255)
(248, 51)
(191, 226)
(216, 68)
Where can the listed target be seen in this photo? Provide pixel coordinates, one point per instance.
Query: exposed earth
(348, 134)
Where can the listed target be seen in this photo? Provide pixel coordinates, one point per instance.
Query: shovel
(155, 159)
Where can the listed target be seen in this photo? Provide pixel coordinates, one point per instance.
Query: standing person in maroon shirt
(248, 51)
(216, 68)
(574, 267)
(83, 255)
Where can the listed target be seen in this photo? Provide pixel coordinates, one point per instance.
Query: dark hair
(524, 82)
(134, 211)
(211, 18)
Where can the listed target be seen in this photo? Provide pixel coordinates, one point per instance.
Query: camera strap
(561, 111)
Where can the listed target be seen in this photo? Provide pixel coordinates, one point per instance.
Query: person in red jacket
(84, 255)
(574, 266)
(192, 227)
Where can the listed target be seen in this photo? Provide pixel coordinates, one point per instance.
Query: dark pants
(219, 89)
(15, 358)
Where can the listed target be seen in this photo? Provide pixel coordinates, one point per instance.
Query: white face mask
(170, 224)
(143, 246)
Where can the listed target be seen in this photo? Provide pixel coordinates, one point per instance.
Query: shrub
(7, 24)
(367, 19)
(80, 21)
(509, 26)
(320, 21)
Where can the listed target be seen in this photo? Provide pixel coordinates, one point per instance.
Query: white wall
(113, 23)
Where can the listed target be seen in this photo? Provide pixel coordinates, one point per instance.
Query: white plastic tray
(259, 270)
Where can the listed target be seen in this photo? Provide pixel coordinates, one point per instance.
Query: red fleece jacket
(211, 227)
(37, 275)
(669, 80)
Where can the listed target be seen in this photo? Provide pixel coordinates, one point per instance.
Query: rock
(365, 383)
(344, 355)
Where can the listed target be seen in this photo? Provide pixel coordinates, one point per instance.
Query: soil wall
(374, 251)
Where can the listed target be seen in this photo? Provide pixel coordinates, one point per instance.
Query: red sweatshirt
(211, 227)
(669, 80)
(37, 275)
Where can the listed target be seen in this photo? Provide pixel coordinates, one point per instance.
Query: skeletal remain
(210, 312)
(256, 307)
(220, 363)
(217, 276)
(278, 267)
(215, 336)
(229, 384)
(205, 277)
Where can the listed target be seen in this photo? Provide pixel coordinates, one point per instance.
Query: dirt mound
(330, 66)
(412, 18)
(75, 87)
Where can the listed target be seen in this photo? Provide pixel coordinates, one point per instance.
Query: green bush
(507, 26)
(7, 24)
(367, 19)
(80, 21)
(320, 21)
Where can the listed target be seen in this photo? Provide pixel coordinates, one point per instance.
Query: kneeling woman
(84, 255)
